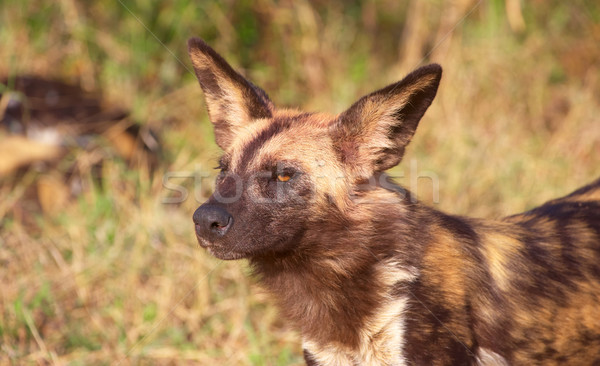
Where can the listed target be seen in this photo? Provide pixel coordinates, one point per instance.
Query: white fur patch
(486, 357)
(382, 335)
(381, 341)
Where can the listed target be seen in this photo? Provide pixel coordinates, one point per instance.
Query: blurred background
(106, 151)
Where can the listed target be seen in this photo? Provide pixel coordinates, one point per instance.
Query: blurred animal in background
(54, 136)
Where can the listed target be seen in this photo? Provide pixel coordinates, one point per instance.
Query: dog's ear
(373, 133)
(232, 100)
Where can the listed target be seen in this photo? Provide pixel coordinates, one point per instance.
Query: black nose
(212, 221)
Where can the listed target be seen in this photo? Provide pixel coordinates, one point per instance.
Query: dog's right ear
(232, 101)
(373, 133)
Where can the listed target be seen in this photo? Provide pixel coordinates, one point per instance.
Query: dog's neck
(343, 272)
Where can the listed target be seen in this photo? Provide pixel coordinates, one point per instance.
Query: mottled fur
(368, 275)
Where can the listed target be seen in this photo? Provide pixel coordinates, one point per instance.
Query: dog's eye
(283, 177)
(223, 163)
(222, 167)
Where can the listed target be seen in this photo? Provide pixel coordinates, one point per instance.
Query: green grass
(115, 277)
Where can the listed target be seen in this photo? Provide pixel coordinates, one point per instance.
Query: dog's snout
(212, 221)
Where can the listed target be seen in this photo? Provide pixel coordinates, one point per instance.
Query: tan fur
(500, 250)
(230, 102)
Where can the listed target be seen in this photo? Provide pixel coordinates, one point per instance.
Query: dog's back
(549, 287)
(522, 290)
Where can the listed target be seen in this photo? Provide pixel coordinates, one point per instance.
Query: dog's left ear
(373, 133)
(232, 100)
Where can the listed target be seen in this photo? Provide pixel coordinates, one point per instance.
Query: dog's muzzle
(212, 222)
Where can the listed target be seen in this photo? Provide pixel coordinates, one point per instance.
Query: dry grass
(115, 277)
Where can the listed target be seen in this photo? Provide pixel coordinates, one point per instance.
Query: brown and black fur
(366, 273)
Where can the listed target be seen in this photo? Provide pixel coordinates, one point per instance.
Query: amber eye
(283, 177)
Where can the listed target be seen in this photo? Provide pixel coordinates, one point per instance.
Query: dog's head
(285, 172)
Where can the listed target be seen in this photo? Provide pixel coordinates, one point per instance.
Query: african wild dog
(367, 274)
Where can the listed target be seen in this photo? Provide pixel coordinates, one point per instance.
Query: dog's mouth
(225, 254)
(219, 251)
(203, 242)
